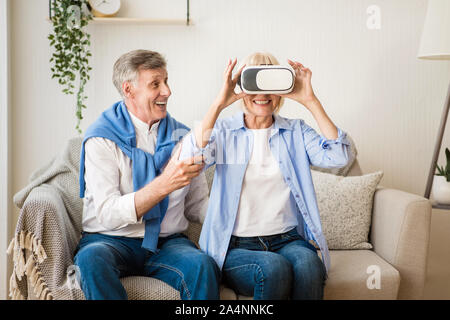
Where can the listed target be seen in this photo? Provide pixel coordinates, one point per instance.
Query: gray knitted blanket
(49, 204)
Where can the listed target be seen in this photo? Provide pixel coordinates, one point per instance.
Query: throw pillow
(345, 206)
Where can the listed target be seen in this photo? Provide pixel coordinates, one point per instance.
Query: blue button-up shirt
(295, 147)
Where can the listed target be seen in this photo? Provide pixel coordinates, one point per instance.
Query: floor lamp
(435, 45)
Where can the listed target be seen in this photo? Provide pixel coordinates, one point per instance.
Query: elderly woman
(262, 213)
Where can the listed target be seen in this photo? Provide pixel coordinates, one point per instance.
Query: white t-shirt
(264, 206)
(109, 197)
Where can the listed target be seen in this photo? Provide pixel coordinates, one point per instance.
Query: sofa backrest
(352, 169)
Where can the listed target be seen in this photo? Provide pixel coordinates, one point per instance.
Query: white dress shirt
(263, 180)
(109, 206)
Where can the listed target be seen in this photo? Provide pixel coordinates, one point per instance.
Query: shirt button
(288, 179)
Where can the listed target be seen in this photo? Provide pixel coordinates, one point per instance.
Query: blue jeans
(103, 259)
(280, 266)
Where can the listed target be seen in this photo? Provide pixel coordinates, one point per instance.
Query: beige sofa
(400, 237)
(51, 218)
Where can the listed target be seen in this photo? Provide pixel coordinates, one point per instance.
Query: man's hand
(179, 173)
(176, 175)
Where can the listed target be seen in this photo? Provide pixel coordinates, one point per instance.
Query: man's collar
(142, 126)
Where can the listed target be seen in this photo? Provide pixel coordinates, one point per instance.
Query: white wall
(5, 174)
(369, 81)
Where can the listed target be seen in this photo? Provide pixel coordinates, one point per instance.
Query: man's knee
(94, 254)
(198, 277)
(204, 264)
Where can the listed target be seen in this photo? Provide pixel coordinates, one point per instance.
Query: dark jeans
(103, 259)
(280, 266)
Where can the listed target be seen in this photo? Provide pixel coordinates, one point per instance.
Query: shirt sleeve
(196, 201)
(113, 209)
(323, 152)
(190, 148)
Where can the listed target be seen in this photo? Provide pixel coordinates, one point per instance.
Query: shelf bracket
(187, 12)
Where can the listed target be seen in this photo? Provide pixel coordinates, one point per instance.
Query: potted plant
(70, 40)
(441, 185)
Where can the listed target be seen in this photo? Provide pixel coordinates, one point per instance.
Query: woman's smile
(262, 103)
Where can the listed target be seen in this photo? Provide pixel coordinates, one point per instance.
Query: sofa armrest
(46, 207)
(44, 215)
(400, 235)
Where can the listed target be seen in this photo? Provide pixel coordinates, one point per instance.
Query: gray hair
(127, 67)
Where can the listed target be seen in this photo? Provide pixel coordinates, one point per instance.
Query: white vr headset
(267, 79)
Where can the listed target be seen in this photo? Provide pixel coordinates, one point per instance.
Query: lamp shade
(435, 43)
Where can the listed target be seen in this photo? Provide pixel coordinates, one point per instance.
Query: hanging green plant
(71, 42)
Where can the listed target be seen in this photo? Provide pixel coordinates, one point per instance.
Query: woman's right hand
(227, 96)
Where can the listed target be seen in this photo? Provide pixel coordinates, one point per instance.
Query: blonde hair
(257, 59)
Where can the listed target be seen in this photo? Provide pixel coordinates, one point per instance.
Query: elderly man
(136, 196)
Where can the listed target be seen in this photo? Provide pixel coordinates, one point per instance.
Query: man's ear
(127, 89)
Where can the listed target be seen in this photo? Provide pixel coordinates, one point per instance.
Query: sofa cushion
(350, 272)
(146, 288)
(345, 206)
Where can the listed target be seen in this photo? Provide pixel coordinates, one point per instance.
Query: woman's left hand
(303, 91)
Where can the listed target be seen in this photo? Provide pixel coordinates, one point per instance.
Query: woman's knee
(265, 275)
(310, 265)
(273, 278)
(275, 269)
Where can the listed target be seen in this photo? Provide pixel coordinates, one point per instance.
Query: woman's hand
(303, 91)
(227, 96)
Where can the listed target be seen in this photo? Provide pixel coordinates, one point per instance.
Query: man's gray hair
(127, 67)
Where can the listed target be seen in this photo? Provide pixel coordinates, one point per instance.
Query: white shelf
(123, 20)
